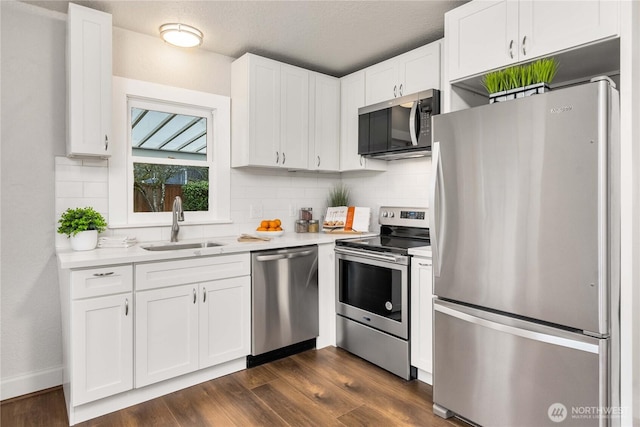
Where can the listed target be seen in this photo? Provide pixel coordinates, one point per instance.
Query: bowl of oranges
(270, 228)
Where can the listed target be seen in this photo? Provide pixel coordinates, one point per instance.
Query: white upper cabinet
(411, 72)
(294, 118)
(88, 82)
(485, 35)
(324, 123)
(352, 97)
(270, 113)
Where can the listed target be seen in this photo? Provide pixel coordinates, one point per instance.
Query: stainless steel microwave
(400, 128)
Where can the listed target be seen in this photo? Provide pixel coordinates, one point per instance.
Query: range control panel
(402, 216)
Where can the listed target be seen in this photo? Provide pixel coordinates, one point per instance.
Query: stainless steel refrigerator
(525, 240)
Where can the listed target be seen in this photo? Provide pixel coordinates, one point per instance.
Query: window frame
(121, 191)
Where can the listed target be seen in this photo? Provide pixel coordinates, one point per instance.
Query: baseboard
(30, 383)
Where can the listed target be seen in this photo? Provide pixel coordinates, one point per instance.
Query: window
(175, 142)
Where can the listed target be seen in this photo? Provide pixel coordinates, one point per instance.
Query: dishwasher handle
(275, 257)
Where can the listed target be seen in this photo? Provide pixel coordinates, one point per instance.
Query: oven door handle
(397, 259)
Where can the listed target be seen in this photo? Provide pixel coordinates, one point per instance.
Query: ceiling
(332, 37)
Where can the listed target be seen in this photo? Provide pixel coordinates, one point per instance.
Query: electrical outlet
(292, 211)
(255, 211)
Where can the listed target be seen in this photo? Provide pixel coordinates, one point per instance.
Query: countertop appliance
(525, 242)
(284, 302)
(372, 289)
(399, 128)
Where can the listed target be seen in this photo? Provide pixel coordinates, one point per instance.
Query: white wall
(33, 132)
(34, 169)
(405, 183)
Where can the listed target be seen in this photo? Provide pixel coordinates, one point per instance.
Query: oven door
(373, 289)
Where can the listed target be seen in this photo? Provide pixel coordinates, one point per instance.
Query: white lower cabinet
(422, 317)
(189, 323)
(102, 347)
(177, 322)
(166, 333)
(225, 320)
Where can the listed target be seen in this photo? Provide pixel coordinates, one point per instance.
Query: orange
(264, 223)
(278, 222)
(273, 224)
(261, 228)
(278, 228)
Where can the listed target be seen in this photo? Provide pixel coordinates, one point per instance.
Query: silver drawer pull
(126, 306)
(103, 274)
(423, 264)
(194, 295)
(204, 294)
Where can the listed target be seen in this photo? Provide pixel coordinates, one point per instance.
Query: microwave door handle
(413, 129)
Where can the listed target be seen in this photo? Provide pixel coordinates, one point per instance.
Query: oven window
(371, 288)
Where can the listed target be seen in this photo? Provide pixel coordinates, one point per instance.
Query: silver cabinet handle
(284, 158)
(126, 306)
(204, 294)
(400, 89)
(277, 157)
(106, 143)
(511, 49)
(194, 295)
(361, 163)
(524, 48)
(395, 91)
(318, 161)
(103, 274)
(424, 264)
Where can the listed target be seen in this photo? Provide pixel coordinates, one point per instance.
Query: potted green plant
(82, 226)
(338, 195)
(520, 80)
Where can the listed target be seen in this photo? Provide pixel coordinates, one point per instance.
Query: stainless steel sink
(179, 246)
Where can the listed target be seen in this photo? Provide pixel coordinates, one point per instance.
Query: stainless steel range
(372, 289)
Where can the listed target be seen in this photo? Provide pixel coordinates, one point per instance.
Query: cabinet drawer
(96, 282)
(171, 273)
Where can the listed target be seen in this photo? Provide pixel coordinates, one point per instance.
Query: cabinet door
(382, 82)
(264, 111)
(88, 82)
(551, 26)
(352, 97)
(294, 119)
(421, 314)
(419, 69)
(166, 333)
(481, 35)
(325, 133)
(102, 352)
(225, 320)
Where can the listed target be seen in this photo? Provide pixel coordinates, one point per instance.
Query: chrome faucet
(178, 215)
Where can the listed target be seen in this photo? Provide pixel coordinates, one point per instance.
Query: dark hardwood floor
(327, 387)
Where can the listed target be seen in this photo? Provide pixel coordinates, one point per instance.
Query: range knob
(391, 215)
(384, 214)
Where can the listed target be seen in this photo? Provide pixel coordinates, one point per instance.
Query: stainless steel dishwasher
(284, 302)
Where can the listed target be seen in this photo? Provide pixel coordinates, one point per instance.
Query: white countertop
(111, 256)
(422, 251)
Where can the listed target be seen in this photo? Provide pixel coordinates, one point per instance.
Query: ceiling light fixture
(181, 35)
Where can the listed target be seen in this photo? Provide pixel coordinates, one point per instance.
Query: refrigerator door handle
(459, 313)
(603, 205)
(436, 211)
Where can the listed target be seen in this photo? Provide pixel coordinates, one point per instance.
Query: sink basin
(179, 246)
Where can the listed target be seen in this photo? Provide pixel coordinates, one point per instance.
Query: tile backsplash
(273, 192)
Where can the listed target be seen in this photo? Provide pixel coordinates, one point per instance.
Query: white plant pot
(85, 240)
